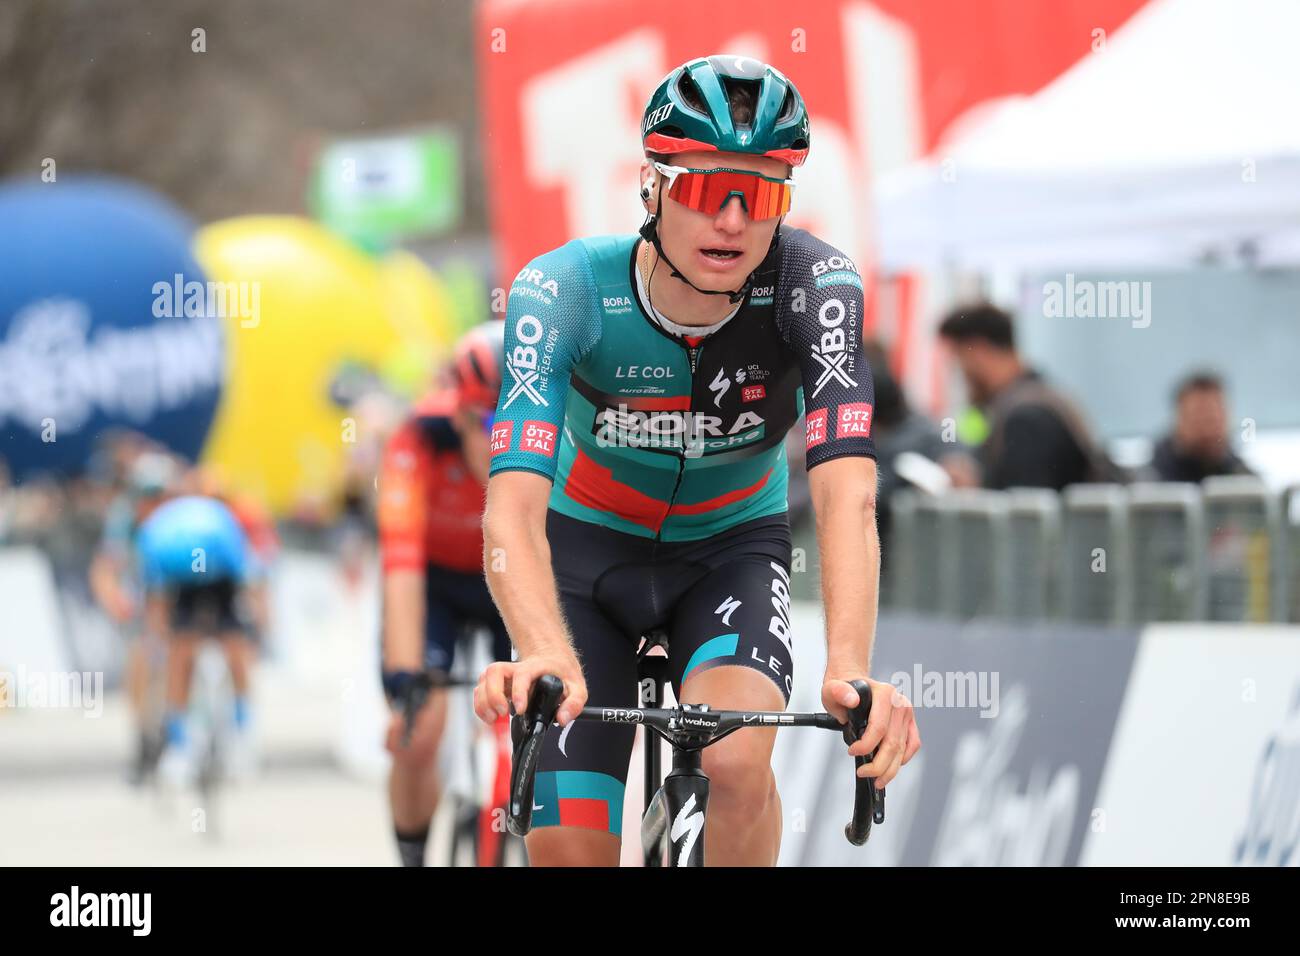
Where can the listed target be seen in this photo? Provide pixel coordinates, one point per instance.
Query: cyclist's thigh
(737, 614)
(583, 769)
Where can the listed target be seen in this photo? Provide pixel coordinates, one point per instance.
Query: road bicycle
(477, 834)
(672, 825)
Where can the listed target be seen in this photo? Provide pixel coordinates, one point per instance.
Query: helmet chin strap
(650, 233)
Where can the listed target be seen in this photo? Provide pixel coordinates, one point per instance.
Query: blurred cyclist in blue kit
(195, 560)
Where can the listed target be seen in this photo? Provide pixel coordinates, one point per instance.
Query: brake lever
(858, 829)
(527, 731)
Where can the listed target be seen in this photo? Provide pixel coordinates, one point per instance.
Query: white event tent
(1177, 142)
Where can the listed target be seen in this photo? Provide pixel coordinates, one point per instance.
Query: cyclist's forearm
(403, 620)
(517, 560)
(850, 567)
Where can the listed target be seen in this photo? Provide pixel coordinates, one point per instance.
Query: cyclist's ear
(647, 177)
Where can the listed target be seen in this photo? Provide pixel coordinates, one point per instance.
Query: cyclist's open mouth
(719, 259)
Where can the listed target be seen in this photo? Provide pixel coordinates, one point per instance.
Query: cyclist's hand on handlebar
(507, 682)
(891, 728)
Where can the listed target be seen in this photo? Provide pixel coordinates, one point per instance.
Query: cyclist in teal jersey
(639, 476)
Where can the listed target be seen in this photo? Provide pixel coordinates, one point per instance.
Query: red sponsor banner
(538, 437)
(853, 420)
(501, 437)
(815, 428)
(564, 85)
(752, 393)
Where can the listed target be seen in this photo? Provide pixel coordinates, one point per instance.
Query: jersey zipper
(693, 356)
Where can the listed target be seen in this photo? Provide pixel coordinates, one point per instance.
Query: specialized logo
(538, 437)
(523, 363)
(725, 609)
(832, 353)
(815, 428)
(501, 436)
(719, 387)
(657, 117)
(686, 827)
(853, 420)
(564, 738)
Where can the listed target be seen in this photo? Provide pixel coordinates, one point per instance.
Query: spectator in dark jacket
(1037, 437)
(1198, 445)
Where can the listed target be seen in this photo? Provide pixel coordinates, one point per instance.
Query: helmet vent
(788, 107)
(690, 93)
(742, 98)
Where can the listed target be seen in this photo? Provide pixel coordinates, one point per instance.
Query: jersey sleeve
(552, 323)
(820, 313)
(403, 497)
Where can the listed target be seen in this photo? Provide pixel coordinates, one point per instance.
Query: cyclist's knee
(740, 777)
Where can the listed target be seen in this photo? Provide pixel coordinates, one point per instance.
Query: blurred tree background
(116, 86)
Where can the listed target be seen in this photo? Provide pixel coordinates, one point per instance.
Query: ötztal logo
(832, 351)
(854, 420)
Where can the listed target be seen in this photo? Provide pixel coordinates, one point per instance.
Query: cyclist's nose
(732, 216)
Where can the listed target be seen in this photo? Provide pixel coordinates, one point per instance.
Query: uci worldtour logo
(835, 350)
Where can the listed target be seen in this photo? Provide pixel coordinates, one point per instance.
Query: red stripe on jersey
(594, 486)
(721, 501)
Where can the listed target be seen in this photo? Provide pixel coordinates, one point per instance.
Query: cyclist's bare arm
(517, 561)
(844, 500)
(843, 494)
(403, 619)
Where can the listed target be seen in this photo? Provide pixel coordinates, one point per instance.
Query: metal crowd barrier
(1245, 550)
(1033, 547)
(1095, 578)
(1166, 538)
(1226, 550)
